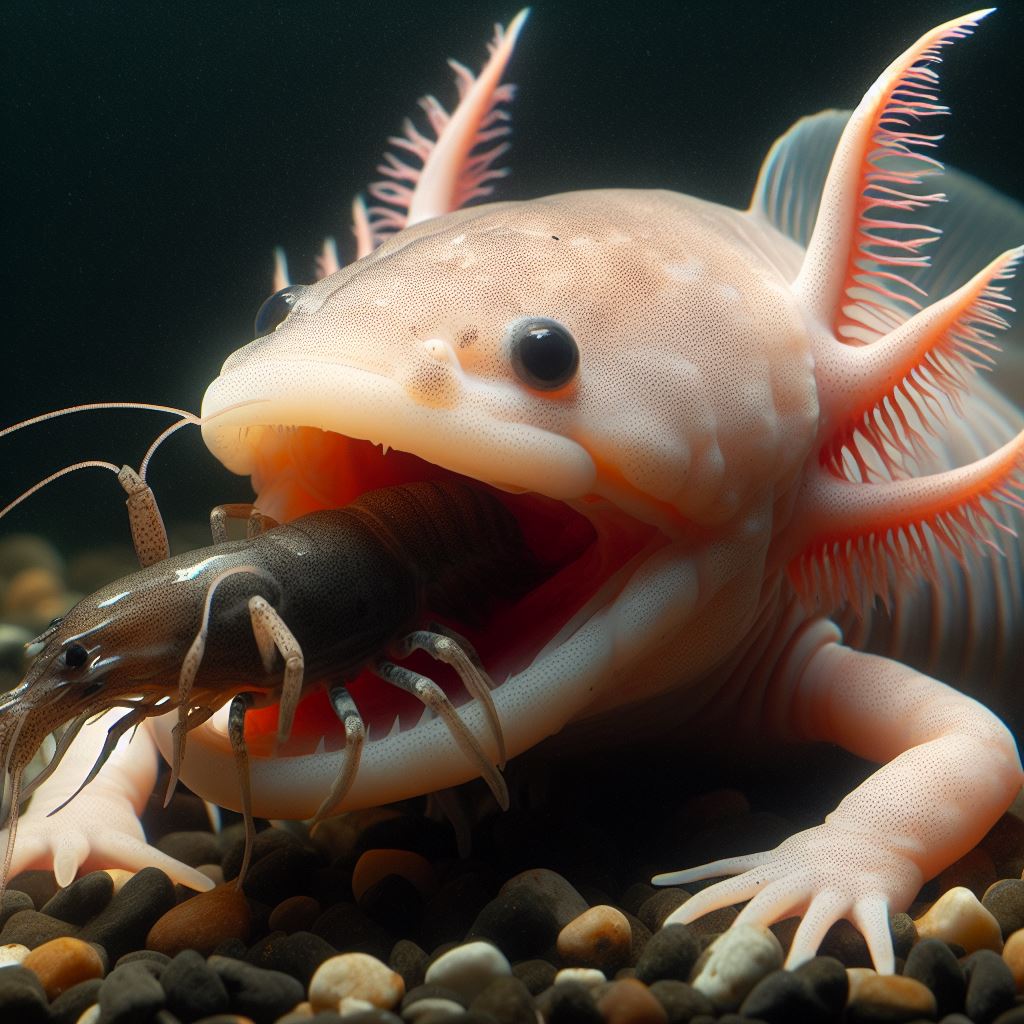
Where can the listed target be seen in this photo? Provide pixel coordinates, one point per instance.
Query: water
(155, 155)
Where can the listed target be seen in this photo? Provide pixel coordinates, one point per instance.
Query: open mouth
(584, 550)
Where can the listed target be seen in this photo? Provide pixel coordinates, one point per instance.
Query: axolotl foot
(824, 874)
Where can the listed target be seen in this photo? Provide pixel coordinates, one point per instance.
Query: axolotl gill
(754, 444)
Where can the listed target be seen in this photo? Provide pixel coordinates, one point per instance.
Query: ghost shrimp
(263, 620)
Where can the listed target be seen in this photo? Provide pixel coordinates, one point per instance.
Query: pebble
(298, 954)
(519, 921)
(202, 922)
(886, 998)
(735, 962)
(1005, 902)
(120, 877)
(123, 924)
(975, 870)
(13, 953)
(295, 914)
(349, 930)
(69, 1006)
(22, 997)
(932, 963)
(904, 934)
(468, 969)
(507, 1000)
(814, 993)
(409, 961)
(536, 975)
(82, 900)
(590, 977)
(377, 864)
(991, 988)
(62, 963)
(958, 916)
(656, 909)
(14, 901)
(600, 937)
(394, 903)
(357, 976)
(260, 994)
(31, 928)
(630, 1002)
(192, 987)
(568, 1003)
(557, 891)
(1013, 954)
(670, 954)
(682, 1002)
(130, 994)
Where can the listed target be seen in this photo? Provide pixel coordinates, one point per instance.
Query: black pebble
(349, 930)
(681, 1001)
(410, 961)
(569, 1002)
(932, 963)
(22, 998)
(536, 975)
(287, 870)
(32, 928)
(262, 995)
(656, 908)
(828, 980)
(192, 848)
(151, 956)
(232, 842)
(669, 954)
(431, 991)
(82, 899)
(193, 988)
(990, 986)
(298, 954)
(130, 995)
(234, 948)
(1005, 902)
(904, 934)
(14, 901)
(123, 925)
(41, 886)
(507, 1000)
(1014, 1016)
(520, 922)
(71, 1004)
(394, 903)
(433, 840)
(363, 1017)
(784, 997)
(636, 896)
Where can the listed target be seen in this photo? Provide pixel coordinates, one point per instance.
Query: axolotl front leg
(950, 769)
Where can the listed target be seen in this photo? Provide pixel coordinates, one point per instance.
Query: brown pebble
(295, 914)
(30, 589)
(202, 922)
(1013, 954)
(888, 997)
(61, 963)
(120, 877)
(374, 865)
(958, 916)
(630, 1002)
(600, 937)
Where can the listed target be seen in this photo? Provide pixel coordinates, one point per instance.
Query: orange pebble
(202, 922)
(61, 963)
(377, 864)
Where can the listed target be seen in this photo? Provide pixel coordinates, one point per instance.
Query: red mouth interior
(303, 470)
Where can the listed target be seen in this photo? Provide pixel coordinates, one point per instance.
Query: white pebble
(468, 969)
(349, 1006)
(735, 962)
(90, 1016)
(12, 953)
(355, 976)
(589, 976)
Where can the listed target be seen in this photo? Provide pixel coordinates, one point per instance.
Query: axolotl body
(756, 420)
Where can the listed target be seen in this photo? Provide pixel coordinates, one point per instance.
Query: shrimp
(254, 622)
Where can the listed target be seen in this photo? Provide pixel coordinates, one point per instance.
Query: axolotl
(765, 447)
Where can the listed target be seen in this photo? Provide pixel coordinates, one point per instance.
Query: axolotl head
(635, 356)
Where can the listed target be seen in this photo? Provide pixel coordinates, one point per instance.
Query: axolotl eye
(75, 656)
(276, 308)
(544, 353)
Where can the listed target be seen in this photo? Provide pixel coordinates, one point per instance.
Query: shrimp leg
(355, 735)
(256, 522)
(449, 647)
(271, 633)
(427, 691)
(236, 733)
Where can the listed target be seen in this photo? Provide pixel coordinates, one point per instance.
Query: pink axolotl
(759, 417)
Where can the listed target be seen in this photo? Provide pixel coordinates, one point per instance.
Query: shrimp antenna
(89, 407)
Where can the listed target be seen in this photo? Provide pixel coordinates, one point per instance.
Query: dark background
(154, 154)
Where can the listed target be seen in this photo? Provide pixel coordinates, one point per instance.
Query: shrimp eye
(544, 354)
(276, 308)
(75, 656)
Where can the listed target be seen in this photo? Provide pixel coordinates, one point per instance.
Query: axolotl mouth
(551, 652)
